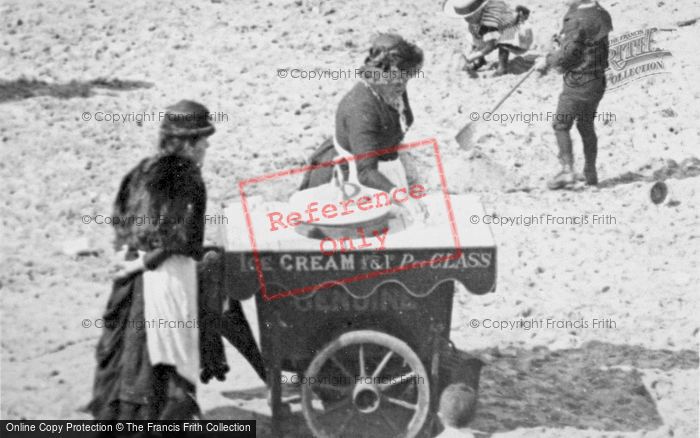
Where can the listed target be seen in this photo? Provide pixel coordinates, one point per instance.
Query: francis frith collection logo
(633, 56)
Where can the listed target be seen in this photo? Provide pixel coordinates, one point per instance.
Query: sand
(640, 271)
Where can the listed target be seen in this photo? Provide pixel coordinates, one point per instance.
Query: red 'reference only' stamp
(335, 250)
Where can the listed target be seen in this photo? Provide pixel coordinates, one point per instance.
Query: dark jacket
(159, 209)
(583, 42)
(161, 206)
(363, 123)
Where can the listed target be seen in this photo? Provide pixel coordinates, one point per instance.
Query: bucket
(458, 385)
(457, 366)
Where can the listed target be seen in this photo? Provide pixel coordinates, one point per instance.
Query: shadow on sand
(521, 64)
(27, 88)
(688, 168)
(597, 386)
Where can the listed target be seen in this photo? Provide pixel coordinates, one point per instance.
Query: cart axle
(366, 398)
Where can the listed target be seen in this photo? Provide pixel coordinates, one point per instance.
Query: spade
(464, 136)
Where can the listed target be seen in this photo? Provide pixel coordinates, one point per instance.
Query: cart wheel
(366, 383)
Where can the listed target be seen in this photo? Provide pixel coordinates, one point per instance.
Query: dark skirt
(126, 385)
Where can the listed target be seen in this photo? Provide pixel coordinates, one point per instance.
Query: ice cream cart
(362, 323)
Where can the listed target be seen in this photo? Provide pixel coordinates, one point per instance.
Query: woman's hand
(541, 63)
(486, 48)
(473, 56)
(416, 210)
(126, 268)
(129, 268)
(419, 210)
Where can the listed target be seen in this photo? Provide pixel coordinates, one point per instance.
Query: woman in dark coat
(373, 115)
(148, 355)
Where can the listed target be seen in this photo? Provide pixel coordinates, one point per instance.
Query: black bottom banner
(107, 429)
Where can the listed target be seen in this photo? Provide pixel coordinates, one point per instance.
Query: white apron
(393, 170)
(170, 309)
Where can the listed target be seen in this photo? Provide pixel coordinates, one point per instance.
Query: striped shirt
(497, 21)
(497, 15)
